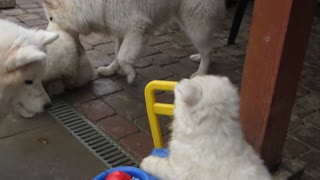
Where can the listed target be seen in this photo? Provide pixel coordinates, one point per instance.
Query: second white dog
(207, 142)
(132, 20)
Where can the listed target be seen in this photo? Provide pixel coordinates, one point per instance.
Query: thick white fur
(68, 64)
(131, 20)
(22, 57)
(207, 142)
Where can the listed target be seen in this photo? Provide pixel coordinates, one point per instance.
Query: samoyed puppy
(131, 21)
(22, 67)
(207, 142)
(68, 64)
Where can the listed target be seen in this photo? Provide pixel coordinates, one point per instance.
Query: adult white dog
(68, 64)
(207, 142)
(131, 20)
(22, 66)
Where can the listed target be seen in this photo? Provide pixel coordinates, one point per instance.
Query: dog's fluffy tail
(85, 71)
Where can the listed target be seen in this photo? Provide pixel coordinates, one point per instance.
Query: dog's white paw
(195, 57)
(131, 77)
(106, 71)
(148, 164)
(24, 113)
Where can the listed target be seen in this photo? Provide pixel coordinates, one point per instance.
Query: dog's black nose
(47, 106)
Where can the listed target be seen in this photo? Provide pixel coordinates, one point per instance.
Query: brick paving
(119, 110)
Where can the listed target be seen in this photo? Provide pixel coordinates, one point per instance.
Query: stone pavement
(119, 110)
(41, 149)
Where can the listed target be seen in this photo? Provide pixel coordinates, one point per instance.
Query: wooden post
(274, 60)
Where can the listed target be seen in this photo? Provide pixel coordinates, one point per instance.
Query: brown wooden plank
(274, 60)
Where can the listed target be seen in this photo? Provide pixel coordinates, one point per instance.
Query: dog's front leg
(114, 66)
(130, 50)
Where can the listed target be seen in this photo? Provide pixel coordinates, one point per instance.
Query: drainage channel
(97, 142)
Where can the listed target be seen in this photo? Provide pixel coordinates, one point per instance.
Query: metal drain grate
(102, 146)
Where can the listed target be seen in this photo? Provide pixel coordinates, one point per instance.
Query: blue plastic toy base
(136, 173)
(161, 152)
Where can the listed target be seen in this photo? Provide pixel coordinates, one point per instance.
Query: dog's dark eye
(51, 18)
(28, 82)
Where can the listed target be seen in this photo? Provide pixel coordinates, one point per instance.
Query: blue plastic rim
(133, 171)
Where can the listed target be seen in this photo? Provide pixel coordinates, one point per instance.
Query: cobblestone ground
(119, 110)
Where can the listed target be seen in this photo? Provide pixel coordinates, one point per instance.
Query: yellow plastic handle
(154, 108)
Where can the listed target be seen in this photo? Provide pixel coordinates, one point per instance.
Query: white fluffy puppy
(68, 64)
(207, 142)
(22, 66)
(131, 20)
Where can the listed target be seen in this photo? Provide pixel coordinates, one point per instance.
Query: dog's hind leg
(204, 62)
(199, 19)
(199, 32)
(130, 50)
(200, 38)
(114, 66)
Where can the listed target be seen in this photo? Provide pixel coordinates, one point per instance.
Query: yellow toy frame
(154, 108)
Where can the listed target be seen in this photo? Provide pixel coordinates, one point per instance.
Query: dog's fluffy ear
(51, 4)
(189, 92)
(46, 37)
(18, 57)
(23, 56)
